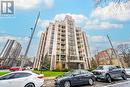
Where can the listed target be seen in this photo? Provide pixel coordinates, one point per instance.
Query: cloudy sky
(112, 19)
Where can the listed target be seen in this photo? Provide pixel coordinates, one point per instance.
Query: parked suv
(109, 72)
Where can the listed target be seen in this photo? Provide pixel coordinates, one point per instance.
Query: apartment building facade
(63, 46)
(10, 52)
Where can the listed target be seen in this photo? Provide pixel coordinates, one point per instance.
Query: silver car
(109, 72)
(127, 72)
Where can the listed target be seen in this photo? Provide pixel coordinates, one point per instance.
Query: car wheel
(124, 76)
(30, 85)
(67, 84)
(108, 78)
(90, 81)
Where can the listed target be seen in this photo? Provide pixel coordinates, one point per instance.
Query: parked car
(16, 69)
(21, 79)
(109, 72)
(127, 72)
(42, 68)
(74, 78)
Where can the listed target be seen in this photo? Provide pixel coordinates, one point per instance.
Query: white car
(22, 79)
(127, 72)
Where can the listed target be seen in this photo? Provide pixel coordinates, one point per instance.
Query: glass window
(84, 72)
(100, 68)
(15, 75)
(76, 72)
(9, 76)
(20, 75)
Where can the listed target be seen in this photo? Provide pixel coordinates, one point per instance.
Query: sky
(97, 22)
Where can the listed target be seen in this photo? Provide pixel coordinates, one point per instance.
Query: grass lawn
(46, 73)
(2, 73)
(50, 73)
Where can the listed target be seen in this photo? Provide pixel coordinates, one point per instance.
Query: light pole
(30, 40)
(114, 50)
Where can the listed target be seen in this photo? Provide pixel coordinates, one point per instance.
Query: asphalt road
(116, 83)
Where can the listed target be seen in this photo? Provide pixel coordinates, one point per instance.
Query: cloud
(98, 39)
(96, 24)
(26, 4)
(117, 11)
(29, 4)
(39, 33)
(98, 43)
(83, 21)
(48, 3)
(44, 23)
(4, 38)
(79, 18)
(22, 40)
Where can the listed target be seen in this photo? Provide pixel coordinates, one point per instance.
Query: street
(116, 83)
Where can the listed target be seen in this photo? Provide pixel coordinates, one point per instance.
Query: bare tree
(124, 51)
(103, 3)
(93, 63)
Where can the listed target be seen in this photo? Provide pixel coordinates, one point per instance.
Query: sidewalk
(49, 78)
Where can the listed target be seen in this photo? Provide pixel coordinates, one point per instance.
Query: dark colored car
(42, 68)
(109, 72)
(16, 69)
(74, 78)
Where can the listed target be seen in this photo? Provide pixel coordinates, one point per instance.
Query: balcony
(63, 31)
(63, 38)
(80, 58)
(63, 42)
(63, 47)
(76, 61)
(58, 52)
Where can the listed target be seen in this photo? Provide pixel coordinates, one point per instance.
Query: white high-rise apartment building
(63, 46)
(10, 52)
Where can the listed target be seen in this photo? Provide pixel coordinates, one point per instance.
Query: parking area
(115, 83)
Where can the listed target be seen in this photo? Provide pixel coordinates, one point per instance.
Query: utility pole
(26, 52)
(109, 57)
(32, 34)
(113, 49)
(97, 59)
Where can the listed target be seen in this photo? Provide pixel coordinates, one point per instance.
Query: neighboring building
(1, 61)
(63, 46)
(107, 57)
(10, 52)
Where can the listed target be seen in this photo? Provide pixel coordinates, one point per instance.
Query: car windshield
(102, 68)
(68, 74)
(72, 72)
